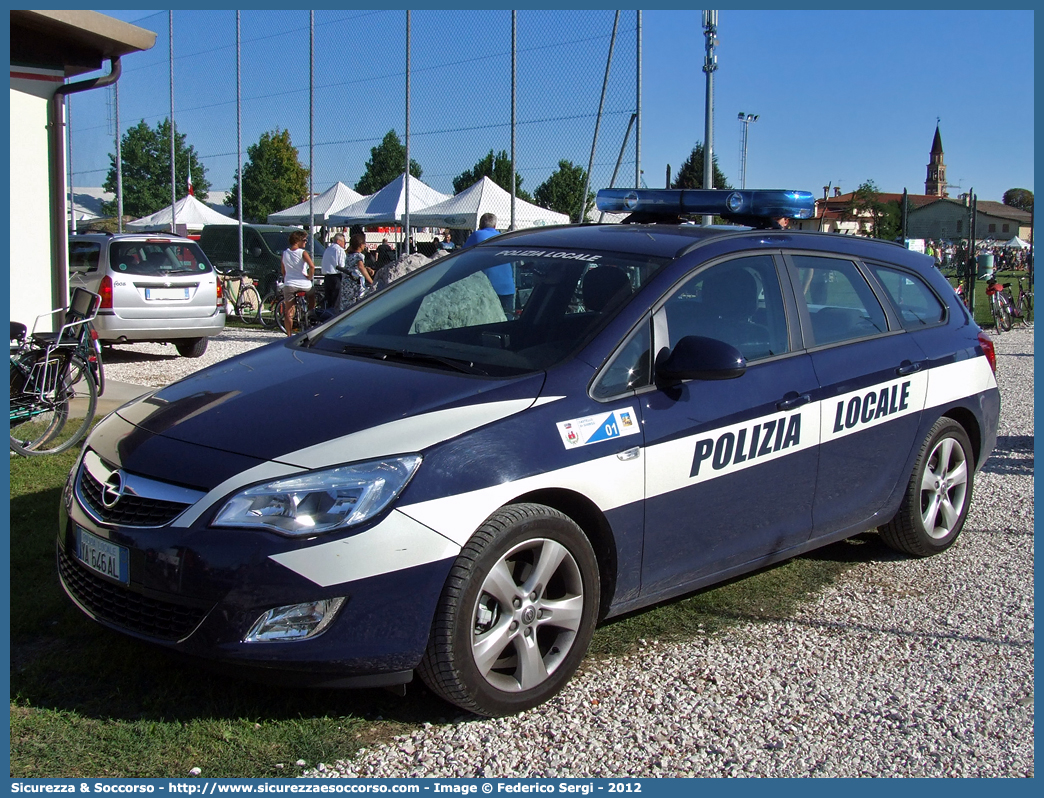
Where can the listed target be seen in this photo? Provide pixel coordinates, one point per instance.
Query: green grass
(87, 702)
(983, 317)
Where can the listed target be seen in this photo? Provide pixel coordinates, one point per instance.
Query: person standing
(447, 241)
(385, 253)
(333, 263)
(298, 272)
(357, 276)
(501, 276)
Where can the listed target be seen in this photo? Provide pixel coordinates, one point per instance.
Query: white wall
(30, 230)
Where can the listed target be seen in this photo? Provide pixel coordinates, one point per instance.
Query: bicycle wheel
(55, 419)
(277, 313)
(32, 420)
(1001, 312)
(266, 314)
(248, 304)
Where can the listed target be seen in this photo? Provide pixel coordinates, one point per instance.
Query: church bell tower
(935, 183)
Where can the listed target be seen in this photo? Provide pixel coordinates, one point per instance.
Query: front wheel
(938, 496)
(516, 615)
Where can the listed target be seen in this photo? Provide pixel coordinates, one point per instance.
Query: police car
(452, 483)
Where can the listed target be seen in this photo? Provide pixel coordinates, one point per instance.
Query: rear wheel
(1001, 313)
(55, 419)
(516, 615)
(938, 496)
(249, 304)
(191, 347)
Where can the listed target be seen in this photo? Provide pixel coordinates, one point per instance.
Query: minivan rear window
(157, 258)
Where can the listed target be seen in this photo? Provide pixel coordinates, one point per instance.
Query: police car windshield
(501, 311)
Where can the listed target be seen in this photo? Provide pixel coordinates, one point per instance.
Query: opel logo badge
(112, 490)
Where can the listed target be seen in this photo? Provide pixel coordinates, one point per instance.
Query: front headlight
(320, 501)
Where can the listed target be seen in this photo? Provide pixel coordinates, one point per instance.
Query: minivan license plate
(166, 293)
(101, 556)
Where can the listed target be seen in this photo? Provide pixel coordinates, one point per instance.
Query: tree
(691, 173)
(885, 217)
(146, 170)
(273, 177)
(1021, 198)
(498, 169)
(387, 162)
(562, 191)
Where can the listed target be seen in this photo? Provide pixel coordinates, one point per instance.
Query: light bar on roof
(756, 203)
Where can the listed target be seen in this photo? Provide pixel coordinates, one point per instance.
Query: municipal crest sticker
(602, 427)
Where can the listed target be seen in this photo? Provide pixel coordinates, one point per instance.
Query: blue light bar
(754, 203)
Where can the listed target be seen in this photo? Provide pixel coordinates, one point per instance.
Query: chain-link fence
(337, 81)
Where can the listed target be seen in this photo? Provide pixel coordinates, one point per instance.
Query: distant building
(947, 219)
(835, 215)
(935, 183)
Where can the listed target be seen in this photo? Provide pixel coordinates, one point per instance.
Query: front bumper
(198, 590)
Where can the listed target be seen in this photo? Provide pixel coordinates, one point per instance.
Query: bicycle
(1022, 306)
(299, 313)
(55, 380)
(241, 295)
(999, 306)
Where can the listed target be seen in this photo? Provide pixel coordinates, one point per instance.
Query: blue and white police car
(446, 483)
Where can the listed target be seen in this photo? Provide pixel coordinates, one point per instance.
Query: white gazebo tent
(334, 198)
(463, 210)
(388, 206)
(1017, 243)
(188, 211)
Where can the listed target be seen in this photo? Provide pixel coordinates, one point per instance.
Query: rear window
(157, 258)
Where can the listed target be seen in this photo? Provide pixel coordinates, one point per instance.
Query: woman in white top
(298, 271)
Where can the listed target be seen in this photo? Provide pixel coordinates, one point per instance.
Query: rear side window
(158, 258)
(841, 306)
(916, 303)
(83, 256)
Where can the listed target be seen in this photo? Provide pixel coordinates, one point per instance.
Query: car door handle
(792, 400)
(908, 368)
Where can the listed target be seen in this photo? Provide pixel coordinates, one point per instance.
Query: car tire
(938, 496)
(516, 615)
(191, 347)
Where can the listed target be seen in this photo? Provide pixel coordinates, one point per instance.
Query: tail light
(105, 292)
(987, 349)
(220, 294)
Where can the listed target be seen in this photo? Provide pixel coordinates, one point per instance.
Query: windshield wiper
(457, 364)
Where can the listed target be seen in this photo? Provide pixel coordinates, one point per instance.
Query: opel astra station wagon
(443, 483)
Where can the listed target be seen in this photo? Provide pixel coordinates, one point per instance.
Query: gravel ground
(157, 365)
(902, 668)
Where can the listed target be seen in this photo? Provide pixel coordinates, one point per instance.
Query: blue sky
(842, 96)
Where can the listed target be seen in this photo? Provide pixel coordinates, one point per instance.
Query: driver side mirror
(697, 358)
(255, 251)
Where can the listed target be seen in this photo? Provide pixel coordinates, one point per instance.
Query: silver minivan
(154, 287)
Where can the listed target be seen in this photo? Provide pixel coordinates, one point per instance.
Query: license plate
(166, 293)
(103, 557)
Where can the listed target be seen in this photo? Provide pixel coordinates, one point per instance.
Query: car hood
(312, 409)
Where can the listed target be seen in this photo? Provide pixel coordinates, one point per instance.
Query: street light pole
(745, 120)
(710, 64)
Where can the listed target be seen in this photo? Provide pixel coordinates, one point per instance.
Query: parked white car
(154, 287)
